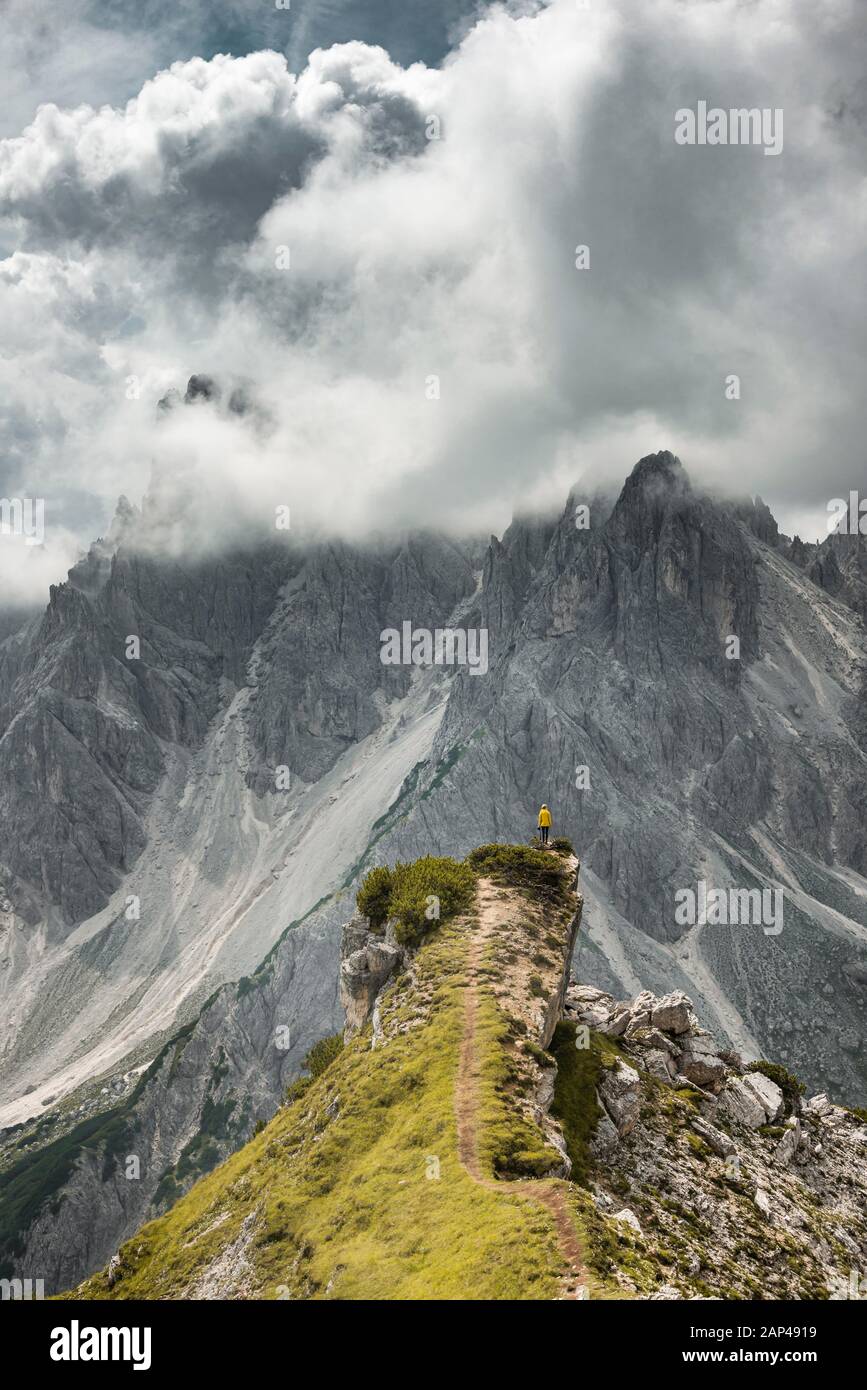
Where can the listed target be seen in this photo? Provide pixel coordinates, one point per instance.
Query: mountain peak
(654, 470)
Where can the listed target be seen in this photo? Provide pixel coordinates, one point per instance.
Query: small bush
(533, 1163)
(374, 894)
(519, 866)
(323, 1053)
(790, 1086)
(562, 845)
(451, 882)
(405, 893)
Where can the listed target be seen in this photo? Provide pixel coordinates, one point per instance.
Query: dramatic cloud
(403, 314)
(101, 51)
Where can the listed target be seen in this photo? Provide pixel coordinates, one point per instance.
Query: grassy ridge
(355, 1190)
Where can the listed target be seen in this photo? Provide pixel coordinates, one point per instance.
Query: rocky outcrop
(367, 960)
(620, 1096)
(664, 1033)
(734, 1189)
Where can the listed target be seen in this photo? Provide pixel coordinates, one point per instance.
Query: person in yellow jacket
(544, 824)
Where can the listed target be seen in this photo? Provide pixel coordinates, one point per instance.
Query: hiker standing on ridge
(544, 824)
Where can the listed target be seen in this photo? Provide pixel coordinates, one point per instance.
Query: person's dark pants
(544, 832)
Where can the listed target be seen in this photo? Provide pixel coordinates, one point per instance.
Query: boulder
(656, 1038)
(673, 1013)
(788, 1145)
(763, 1202)
(620, 1096)
(659, 1064)
(640, 1011)
(628, 1218)
(718, 1142)
(767, 1092)
(818, 1105)
(740, 1103)
(700, 1062)
(617, 1022)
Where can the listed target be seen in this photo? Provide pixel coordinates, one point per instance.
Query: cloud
(101, 51)
(406, 312)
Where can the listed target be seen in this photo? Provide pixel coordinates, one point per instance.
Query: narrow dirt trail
(548, 1192)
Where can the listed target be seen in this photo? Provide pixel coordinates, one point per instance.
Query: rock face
(192, 756)
(367, 961)
(619, 1094)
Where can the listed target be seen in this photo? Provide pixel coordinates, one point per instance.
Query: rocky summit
(202, 756)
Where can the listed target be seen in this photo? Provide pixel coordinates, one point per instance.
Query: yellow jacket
(544, 817)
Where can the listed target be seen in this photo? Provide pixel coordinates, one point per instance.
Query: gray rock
(788, 1146)
(363, 972)
(673, 1013)
(763, 1202)
(605, 1137)
(659, 1063)
(620, 1095)
(626, 1217)
(767, 1092)
(700, 1062)
(741, 1103)
(721, 1143)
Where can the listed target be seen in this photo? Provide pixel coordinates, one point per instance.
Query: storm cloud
(384, 257)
